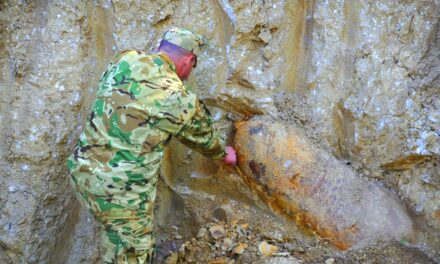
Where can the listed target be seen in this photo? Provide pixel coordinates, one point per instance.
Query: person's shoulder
(131, 55)
(158, 60)
(144, 59)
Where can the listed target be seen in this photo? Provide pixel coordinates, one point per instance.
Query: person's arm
(185, 117)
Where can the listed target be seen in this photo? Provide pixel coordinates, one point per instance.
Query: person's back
(122, 144)
(140, 103)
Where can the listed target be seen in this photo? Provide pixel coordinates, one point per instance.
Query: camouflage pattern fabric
(140, 104)
(186, 39)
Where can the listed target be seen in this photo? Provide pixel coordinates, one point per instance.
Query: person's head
(182, 46)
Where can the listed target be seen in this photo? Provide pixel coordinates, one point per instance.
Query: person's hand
(231, 156)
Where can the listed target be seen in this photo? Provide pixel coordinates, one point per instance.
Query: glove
(231, 156)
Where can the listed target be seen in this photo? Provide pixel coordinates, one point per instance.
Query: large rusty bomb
(310, 186)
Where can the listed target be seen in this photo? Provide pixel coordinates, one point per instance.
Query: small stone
(12, 188)
(240, 231)
(273, 235)
(172, 259)
(267, 249)
(227, 244)
(240, 248)
(330, 261)
(301, 250)
(183, 247)
(244, 226)
(217, 231)
(265, 35)
(201, 233)
(178, 237)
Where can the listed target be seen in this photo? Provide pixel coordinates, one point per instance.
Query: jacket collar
(168, 60)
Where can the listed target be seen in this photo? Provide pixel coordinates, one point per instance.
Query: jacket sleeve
(185, 117)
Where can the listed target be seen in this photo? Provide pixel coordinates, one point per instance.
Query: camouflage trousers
(126, 234)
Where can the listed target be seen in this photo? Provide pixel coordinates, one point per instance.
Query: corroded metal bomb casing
(310, 186)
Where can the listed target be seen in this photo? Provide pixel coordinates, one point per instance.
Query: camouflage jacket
(140, 104)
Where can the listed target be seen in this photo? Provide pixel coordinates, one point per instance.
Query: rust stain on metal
(258, 169)
(304, 220)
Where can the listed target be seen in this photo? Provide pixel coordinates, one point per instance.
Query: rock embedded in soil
(240, 248)
(267, 249)
(217, 231)
(330, 261)
(201, 232)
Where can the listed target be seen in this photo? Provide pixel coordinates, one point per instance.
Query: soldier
(140, 103)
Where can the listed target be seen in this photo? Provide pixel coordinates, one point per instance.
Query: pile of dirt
(237, 242)
(234, 242)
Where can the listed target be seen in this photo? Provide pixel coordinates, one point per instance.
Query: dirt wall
(360, 77)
